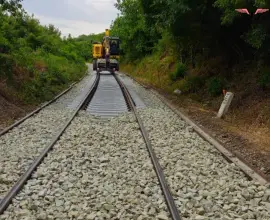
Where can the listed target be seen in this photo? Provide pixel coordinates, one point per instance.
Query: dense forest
(204, 47)
(36, 62)
(203, 44)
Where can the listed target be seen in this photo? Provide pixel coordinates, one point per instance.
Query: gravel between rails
(24, 143)
(100, 169)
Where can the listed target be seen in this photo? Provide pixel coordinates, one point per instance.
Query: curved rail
(4, 203)
(161, 178)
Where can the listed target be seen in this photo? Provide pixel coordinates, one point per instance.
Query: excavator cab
(115, 46)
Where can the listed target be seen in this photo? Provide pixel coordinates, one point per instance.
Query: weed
(179, 72)
(215, 86)
(191, 84)
(264, 78)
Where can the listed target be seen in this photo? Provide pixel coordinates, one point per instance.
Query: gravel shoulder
(24, 143)
(100, 169)
(203, 183)
(249, 141)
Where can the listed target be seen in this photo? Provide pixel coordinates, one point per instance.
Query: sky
(76, 17)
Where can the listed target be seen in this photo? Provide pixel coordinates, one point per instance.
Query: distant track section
(108, 100)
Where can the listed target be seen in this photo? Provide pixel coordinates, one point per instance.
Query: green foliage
(37, 62)
(6, 67)
(195, 32)
(10, 5)
(194, 83)
(192, 26)
(84, 44)
(264, 79)
(138, 38)
(166, 45)
(55, 76)
(215, 86)
(191, 84)
(179, 72)
(256, 36)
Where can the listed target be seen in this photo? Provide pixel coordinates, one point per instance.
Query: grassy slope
(23, 93)
(249, 115)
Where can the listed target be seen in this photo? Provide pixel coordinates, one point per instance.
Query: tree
(193, 26)
(34, 59)
(10, 5)
(137, 38)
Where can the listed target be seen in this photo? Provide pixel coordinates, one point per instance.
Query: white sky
(76, 17)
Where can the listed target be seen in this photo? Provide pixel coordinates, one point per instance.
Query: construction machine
(106, 54)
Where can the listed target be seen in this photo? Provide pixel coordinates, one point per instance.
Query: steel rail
(248, 169)
(108, 100)
(6, 130)
(4, 203)
(161, 177)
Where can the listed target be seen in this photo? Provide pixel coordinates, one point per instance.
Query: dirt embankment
(11, 108)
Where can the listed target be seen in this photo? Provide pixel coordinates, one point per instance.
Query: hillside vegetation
(200, 48)
(35, 61)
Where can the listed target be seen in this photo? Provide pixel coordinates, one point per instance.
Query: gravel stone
(102, 172)
(163, 216)
(204, 185)
(24, 143)
(100, 169)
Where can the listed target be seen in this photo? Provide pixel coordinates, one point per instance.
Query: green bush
(264, 78)
(215, 86)
(37, 62)
(179, 72)
(6, 67)
(194, 83)
(57, 73)
(191, 84)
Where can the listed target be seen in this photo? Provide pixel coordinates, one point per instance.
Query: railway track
(108, 169)
(20, 121)
(108, 100)
(204, 183)
(248, 169)
(107, 97)
(26, 176)
(23, 141)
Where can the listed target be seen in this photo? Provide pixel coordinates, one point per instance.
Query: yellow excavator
(106, 54)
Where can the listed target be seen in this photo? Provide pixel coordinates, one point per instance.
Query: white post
(225, 104)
